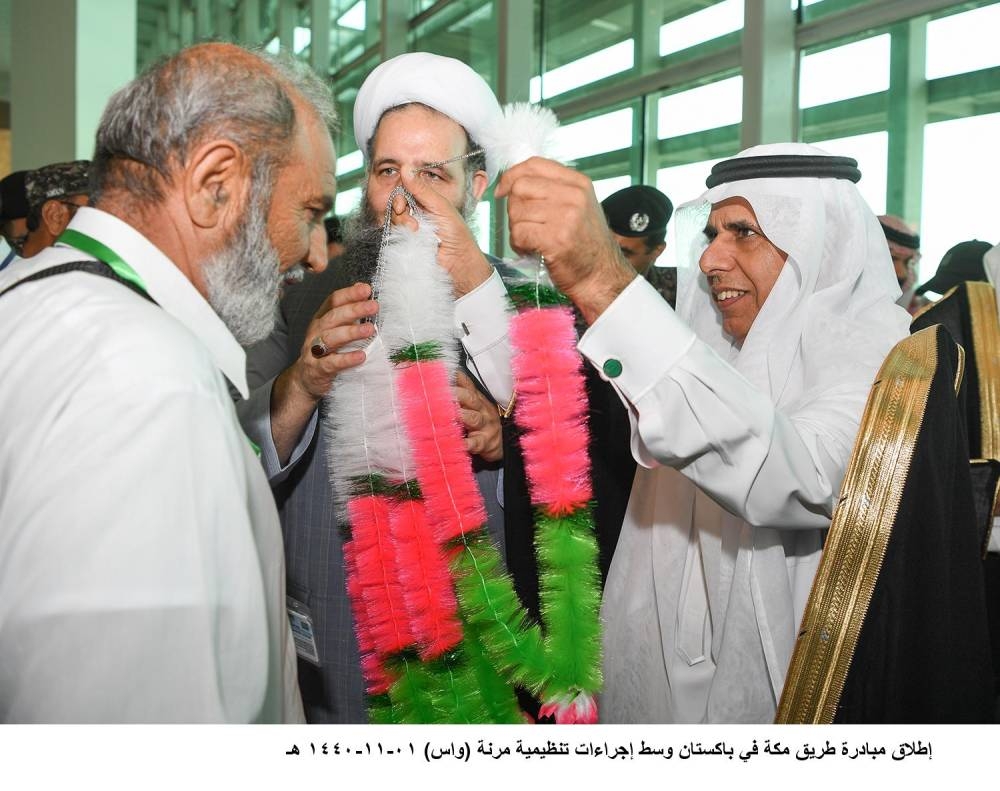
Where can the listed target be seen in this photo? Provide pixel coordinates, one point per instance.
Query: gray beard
(243, 279)
(363, 237)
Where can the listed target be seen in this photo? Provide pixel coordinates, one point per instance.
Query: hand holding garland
(552, 211)
(481, 420)
(299, 388)
(458, 253)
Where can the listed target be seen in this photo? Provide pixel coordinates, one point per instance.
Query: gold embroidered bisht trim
(986, 344)
(921, 311)
(859, 534)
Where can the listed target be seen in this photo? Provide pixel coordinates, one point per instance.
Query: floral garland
(442, 633)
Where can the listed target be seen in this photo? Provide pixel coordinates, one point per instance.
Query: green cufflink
(612, 368)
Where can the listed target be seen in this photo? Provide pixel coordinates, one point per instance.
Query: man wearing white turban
(417, 118)
(744, 413)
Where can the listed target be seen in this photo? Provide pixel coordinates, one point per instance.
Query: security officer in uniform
(638, 217)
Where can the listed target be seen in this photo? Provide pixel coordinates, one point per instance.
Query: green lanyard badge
(100, 251)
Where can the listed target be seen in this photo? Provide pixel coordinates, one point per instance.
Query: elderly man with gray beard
(142, 567)
(416, 118)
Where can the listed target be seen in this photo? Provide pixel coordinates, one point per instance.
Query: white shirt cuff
(482, 317)
(255, 417)
(636, 341)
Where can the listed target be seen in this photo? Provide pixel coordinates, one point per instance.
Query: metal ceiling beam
(770, 65)
(867, 17)
(319, 43)
(625, 90)
(907, 116)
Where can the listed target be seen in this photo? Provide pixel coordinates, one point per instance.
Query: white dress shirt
(141, 564)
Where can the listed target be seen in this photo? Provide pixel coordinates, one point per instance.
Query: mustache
(363, 237)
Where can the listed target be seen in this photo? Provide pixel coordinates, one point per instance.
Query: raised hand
(458, 253)
(552, 211)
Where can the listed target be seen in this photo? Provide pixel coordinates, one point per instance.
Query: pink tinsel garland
(431, 417)
(426, 578)
(580, 709)
(377, 677)
(387, 624)
(552, 409)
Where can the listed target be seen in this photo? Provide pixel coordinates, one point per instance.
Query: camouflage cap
(57, 181)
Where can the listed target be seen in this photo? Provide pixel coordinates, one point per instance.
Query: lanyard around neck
(100, 251)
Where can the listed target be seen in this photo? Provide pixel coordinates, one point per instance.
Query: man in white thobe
(744, 405)
(141, 564)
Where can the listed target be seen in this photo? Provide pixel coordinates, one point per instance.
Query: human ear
(55, 217)
(480, 181)
(216, 179)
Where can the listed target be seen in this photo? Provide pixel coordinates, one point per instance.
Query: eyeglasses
(73, 206)
(16, 242)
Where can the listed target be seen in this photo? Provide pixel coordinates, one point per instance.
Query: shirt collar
(170, 288)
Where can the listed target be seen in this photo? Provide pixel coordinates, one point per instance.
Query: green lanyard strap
(100, 251)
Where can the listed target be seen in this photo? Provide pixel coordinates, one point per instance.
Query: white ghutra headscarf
(828, 304)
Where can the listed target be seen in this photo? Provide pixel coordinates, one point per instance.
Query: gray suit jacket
(333, 690)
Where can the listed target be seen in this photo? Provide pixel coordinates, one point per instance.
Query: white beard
(243, 279)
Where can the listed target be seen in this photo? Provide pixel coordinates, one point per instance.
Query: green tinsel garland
(376, 484)
(417, 352)
(570, 594)
(488, 601)
(531, 295)
(499, 703)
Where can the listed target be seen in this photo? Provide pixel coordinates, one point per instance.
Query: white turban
(444, 84)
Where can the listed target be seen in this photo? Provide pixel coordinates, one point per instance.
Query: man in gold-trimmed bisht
(744, 404)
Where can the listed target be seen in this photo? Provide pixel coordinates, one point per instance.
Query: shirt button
(612, 368)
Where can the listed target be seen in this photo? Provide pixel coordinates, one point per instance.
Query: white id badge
(302, 630)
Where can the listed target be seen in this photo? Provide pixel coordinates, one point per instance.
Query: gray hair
(216, 90)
